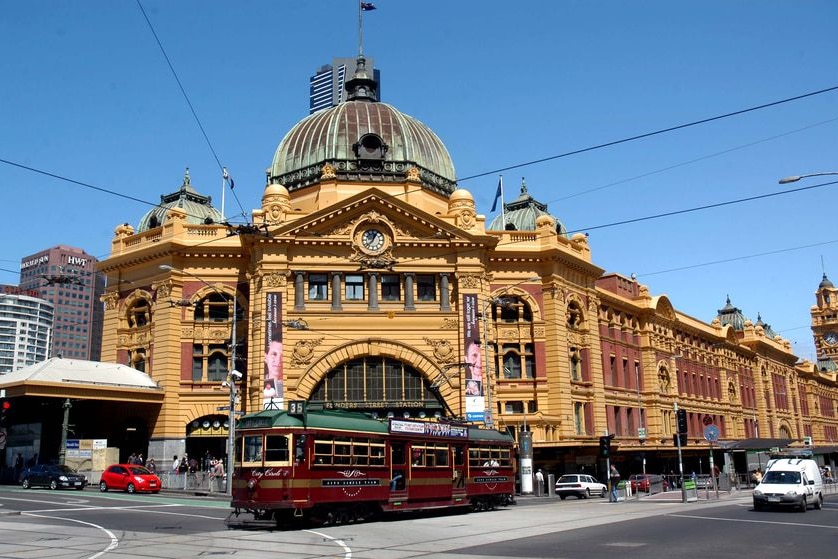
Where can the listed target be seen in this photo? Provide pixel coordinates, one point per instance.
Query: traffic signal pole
(680, 460)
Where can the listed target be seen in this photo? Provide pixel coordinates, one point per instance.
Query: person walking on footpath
(539, 483)
(614, 479)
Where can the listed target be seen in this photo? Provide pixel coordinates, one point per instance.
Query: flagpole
(502, 209)
(223, 189)
(360, 30)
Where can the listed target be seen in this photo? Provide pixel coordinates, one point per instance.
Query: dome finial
(186, 180)
(362, 86)
(523, 186)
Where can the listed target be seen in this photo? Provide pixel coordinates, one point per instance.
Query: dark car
(130, 478)
(54, 476)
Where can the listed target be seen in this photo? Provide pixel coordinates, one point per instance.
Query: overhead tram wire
(650, 134)
(191, 107)
(691, 161)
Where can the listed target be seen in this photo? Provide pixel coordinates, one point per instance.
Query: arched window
(139, 314)
(214, 307)
(376, 384)
(575, 364)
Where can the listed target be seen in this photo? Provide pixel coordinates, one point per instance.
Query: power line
(705, 207)
(649, 134)
(189, 103)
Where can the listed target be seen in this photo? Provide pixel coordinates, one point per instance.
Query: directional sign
(711, 433)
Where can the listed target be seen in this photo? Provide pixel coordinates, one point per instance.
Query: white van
(794, 482)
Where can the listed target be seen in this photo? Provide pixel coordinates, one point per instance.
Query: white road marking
(347, 551)
(748, 521)
(114, 540)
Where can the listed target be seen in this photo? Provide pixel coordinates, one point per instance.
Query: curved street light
(232, 376)
(795, 178)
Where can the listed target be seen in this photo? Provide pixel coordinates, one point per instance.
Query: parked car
(54, 476)
(130, 478)
(647, 482)
(581, 486)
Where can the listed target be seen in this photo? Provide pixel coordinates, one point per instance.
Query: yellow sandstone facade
(376, 272)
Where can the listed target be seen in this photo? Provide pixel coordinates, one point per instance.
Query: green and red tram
(335, 466)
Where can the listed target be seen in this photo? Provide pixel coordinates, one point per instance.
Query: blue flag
(367, 6)
(226, 176)
(498, 194)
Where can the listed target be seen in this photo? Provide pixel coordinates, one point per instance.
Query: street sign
(641, 432)
(223, 408)
(711, 433)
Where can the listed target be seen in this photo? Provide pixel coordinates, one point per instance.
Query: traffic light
(605, 446)
(5, 406)
(682, 421)
(682, 441)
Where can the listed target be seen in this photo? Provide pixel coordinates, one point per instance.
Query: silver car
(581, 486)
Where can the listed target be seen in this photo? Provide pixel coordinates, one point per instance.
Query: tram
(334, 467)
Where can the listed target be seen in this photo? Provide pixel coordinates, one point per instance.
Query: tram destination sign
(426, 428)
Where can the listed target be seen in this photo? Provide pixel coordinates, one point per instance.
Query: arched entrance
(379, 385)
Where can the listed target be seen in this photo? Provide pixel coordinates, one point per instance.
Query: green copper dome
(362, 140)
(522, 213)
(198, 208)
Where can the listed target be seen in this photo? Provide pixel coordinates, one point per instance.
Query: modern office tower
(25, 328)
(327, 85)
(66, 277)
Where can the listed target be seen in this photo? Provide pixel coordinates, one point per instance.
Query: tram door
(398, 469)
(458, 481)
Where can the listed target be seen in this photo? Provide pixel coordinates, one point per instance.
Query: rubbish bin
(551, 485)
(622, 490)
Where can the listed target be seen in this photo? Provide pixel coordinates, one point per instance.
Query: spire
(362, 86)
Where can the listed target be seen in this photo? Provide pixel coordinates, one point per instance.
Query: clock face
(831, 338)
(372, 240)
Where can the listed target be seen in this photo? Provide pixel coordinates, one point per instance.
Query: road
(87, 524)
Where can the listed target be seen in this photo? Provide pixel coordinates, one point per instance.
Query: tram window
(441, 456)
(458, 456)
(343, 452)
(238, 455)
(322, 452)
(397, 453)
(253, 448)
(300, 449)
(417, 457)
(276, 448)
(376, 454)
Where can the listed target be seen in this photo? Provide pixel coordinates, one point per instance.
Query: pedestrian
(151, 466)
(539, 482)
(614, 480)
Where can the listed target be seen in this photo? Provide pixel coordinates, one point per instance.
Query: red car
(642, 483)
(130, 478)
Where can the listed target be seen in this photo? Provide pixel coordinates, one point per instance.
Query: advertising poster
(473, 358)
(272, 395)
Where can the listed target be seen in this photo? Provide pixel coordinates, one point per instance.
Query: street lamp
(232, 377)
(488, 416)
(795, 178)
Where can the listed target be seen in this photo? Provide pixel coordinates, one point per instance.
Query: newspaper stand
(690, 491)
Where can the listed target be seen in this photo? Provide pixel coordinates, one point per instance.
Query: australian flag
(367, 6)
(498, 194)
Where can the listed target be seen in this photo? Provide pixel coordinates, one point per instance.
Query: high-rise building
(327, 85)
(25, 328)
(66, 277)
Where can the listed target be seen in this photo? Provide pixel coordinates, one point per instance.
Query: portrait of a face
(474, 357)
(273, 361)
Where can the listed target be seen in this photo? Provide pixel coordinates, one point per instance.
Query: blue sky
(87, 94)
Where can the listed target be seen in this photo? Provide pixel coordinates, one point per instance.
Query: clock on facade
(831, 338)
(372, 240)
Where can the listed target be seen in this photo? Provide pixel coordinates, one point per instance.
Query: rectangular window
(354, 287)
(318, 287)
(513, 407)
(426, 287)
(390, 287)
(276, 448)
(253, 448)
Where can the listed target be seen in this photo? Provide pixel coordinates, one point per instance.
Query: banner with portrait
(272, 397)
(473, 359)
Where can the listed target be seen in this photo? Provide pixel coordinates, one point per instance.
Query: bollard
(551, 485)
